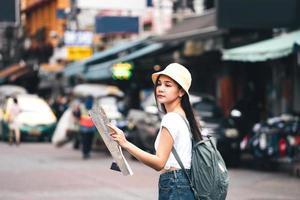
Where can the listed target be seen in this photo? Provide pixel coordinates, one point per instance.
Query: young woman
(172, 97)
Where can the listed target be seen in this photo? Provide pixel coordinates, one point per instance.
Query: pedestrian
(74, 129)
(172, 97)
(14, 130)
(60, 105)
(87, 128)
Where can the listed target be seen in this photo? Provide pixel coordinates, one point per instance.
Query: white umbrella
(10, 90)
(96, 90)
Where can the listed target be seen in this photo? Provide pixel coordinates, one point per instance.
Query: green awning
(79, 66)
(103, 71)
(74, 68)
(99, 71)
(274, 48)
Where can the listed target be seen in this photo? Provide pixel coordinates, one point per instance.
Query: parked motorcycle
(276, 139)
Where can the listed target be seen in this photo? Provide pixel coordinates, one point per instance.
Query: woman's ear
(181, 92)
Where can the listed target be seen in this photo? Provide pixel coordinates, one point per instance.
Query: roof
(202, 26)
(13, 72)
(273, 48)
(79, 67)
(103, 70)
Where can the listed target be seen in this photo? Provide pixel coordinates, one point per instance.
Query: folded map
(100, 120)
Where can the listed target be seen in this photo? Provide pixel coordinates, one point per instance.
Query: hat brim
(154, 77)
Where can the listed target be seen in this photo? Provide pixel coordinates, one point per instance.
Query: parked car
(144, 125)
(36, 119)
(222, 128)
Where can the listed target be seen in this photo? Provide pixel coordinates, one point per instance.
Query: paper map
(100, 120)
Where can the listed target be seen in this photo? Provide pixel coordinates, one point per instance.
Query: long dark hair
(188, 110)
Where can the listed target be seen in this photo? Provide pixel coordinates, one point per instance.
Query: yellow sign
(78, 53)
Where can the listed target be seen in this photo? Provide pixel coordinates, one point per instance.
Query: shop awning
(103, 70)
(111, 53)
(99, 71)
(14, 72)
(274, 48)
(196, 27)
(74, 68)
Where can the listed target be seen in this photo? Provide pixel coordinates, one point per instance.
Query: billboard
(9, 12)
(117, 24)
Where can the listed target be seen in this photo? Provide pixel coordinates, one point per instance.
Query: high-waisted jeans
(174, 185)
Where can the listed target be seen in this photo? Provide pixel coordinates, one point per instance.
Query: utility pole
(183, 4)
(72, 23)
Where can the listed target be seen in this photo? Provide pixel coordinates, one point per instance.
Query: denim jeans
(87, 135)
(174, 185)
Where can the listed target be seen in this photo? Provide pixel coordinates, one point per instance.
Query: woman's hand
(118, 135)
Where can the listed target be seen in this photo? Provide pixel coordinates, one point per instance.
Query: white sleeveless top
(182, 140)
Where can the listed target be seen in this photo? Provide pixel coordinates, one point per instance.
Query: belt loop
(175, 174)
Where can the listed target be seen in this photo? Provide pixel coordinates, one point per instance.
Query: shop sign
(78, 38)
(117, 24)
(122, 71)
(78, 53)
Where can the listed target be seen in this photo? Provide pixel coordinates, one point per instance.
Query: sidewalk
(295, 169)
(34, 171)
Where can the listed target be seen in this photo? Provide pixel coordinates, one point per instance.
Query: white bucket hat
(178, 73)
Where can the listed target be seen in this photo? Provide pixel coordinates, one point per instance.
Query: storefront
(269, 70)
(199, 43)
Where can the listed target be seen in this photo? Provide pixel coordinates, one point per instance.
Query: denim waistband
(174, 173)
(175, 185)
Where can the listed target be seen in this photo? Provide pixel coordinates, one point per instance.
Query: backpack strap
(194, 144)
(184, 170)
(207, 140)
(180, 162)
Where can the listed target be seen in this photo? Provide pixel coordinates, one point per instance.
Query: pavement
(295, 169)
(40, 171)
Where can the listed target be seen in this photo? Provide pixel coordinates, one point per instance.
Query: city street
(35, 171)
(230, 68)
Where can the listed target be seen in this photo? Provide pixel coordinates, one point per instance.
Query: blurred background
(244, 57)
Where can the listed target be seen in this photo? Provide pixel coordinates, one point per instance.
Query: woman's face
(167, 90)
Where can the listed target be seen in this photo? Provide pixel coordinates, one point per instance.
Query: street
(34, 171)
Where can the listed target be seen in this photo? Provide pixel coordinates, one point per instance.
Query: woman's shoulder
(173, 116)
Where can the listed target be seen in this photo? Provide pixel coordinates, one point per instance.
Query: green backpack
(208, 177)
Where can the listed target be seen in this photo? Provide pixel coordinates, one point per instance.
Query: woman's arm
(156, 161)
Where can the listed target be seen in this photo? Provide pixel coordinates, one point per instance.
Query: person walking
(87, 127)
(14, 130)
(172, 96)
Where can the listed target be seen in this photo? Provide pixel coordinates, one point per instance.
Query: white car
(36, 119)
